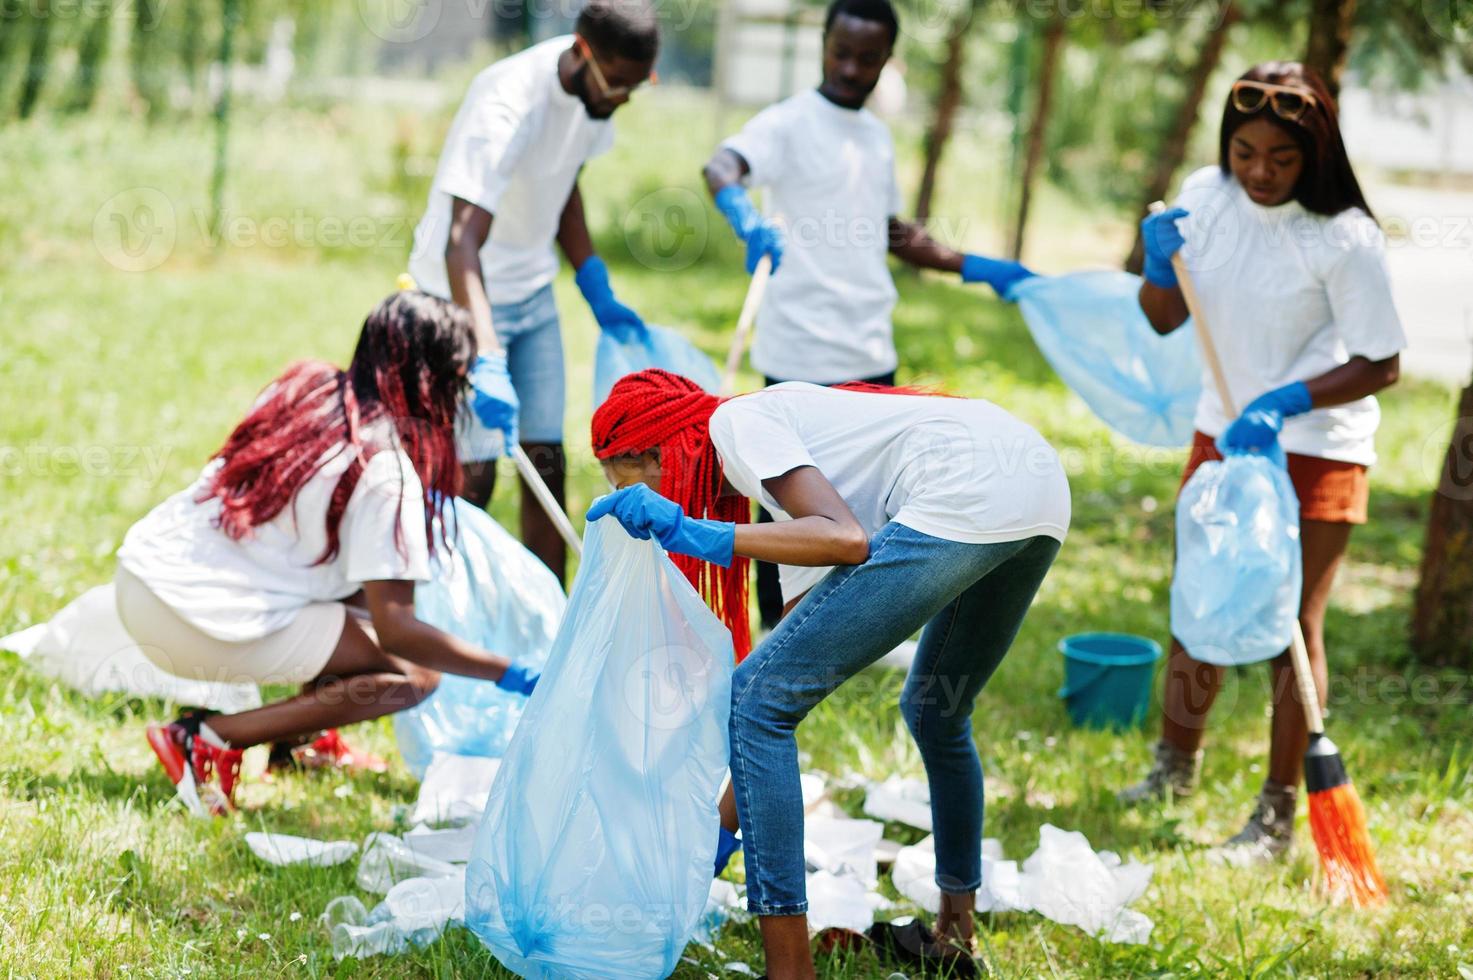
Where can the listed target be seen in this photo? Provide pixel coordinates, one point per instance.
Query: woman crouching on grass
(324, 496)
(942, 513)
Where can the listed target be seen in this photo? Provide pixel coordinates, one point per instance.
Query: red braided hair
(656, 409)
(408, 369)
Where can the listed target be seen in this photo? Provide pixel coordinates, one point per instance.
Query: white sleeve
(762, 143)
(893, 193)
(382, 535)
(604, 141)
(483, 149)
(1358, 286)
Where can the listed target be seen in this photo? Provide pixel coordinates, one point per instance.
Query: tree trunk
(1053, 46)
(1442, 621)
(1173, 148)
(192, 45)
(90, 56)
(37, 61)
(1330, 22)
(143, 55)
(948, 100)
(230, 20)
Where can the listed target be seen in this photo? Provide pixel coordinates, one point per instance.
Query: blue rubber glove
(519, 679)
(644, 513)
(1162, 239)
(1259, 426)
(622, 323)
(492, 397)
(1000, 274)
(727, 844)
(762, 237)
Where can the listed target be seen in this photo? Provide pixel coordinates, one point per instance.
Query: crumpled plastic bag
(900, 799)
(664, 348)
(1090, 328)
(594, 857)
(1235, 592)
(843, 847)
(284, 850)
(1065, 881)
(454, 789)
(495, 593)
(86, 647)
(452, 844)
(841, 902)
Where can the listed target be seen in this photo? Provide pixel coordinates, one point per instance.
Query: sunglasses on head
(604, 89)
(1289, 102)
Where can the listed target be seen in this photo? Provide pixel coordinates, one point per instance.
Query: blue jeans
(971, 598)
(530, 332)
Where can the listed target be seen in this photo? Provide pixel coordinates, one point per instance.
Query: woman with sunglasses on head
(1289, 265)
(505, 191)
(292, 558)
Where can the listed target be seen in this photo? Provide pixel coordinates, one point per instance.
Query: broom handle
(544, 497)
(1298, 650)
(755, 290)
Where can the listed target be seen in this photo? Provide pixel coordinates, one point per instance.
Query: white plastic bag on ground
(1064, 880)
(452, 845)
(86, 646)
(901, 800)
(283, 850)
(594, 857)
(454, 789)
(843, 847)
(495, 593)
(841, 902)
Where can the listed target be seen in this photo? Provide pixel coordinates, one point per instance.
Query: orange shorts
(1329, 490)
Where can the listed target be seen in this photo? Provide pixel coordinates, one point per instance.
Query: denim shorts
(533, 340)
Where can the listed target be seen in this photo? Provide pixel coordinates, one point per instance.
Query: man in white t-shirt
(828, 166)
(505, 191)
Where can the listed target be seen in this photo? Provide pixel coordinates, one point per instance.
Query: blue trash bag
(594, 855)
(1090, 328)
(1235, 593)
(495, 593)
(664, 349)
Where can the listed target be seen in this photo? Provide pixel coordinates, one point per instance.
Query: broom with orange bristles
(1336, 817)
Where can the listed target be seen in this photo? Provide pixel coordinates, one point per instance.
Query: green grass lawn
(115, 386)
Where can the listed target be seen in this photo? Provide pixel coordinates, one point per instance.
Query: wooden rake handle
(753, 301)
(1298, 650)
(547, 500)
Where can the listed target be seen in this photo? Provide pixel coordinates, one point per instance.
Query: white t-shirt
(829, 175)
(1288, 295)
(515, 149)
(244, 590)
(961, 469)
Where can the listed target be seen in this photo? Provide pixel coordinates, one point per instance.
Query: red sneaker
(326, 751)
(190, 763)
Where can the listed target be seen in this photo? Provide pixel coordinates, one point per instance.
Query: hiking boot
(1269, 832)
(326, 751)
(1174, 773)
(206, 774)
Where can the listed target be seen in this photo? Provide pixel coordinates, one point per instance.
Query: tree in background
(1442, 619)
(1330, 23)
(38, 59)
(1053, 46)
(948, 99)
(90, 56)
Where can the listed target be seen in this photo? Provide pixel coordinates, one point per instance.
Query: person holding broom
(828, 166)
(893, 511)
(292, 558)
(505, 190)
(1289, 267)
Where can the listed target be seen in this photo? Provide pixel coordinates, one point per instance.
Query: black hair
(878, 11)
(1327, 184)
(620, 28)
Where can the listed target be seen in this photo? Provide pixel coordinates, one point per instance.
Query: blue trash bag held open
(664, 349)
(495, 593)
(1235, 593)
(1091, 330)
(594, 856)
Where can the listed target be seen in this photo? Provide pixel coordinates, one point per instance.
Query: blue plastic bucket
(1107, 678)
